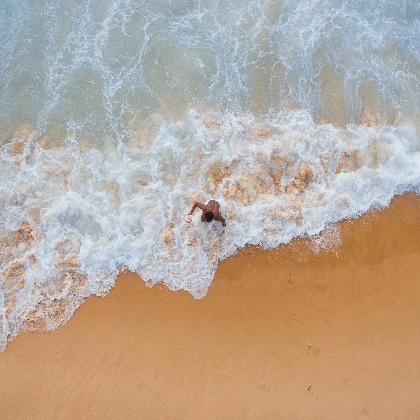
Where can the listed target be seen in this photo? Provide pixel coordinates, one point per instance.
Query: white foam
(119, 147)
(91, 217)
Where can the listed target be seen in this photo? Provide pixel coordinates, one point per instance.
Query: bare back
(212, 207)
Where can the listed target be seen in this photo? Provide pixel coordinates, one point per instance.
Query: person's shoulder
(214, 204)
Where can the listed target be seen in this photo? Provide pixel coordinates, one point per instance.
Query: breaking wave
(117, 117)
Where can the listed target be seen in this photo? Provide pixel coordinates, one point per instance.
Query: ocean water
(115, 115)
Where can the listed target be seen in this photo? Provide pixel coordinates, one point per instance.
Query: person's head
(208, 216)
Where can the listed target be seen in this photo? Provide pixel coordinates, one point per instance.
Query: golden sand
(281, 334)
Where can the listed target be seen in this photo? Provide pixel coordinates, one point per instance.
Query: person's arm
(220, 218)
(199, 205)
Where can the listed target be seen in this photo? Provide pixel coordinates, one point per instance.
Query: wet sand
(286, 333)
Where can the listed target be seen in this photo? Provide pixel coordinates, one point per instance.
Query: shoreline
(282, 333)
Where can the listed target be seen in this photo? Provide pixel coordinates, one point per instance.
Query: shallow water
(116, 115)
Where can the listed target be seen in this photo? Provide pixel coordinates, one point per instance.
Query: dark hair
(208, 215)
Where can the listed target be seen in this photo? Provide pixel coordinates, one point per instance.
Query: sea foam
(72, 219)
(116, 115)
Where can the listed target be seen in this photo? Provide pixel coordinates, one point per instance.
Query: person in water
(211, 211)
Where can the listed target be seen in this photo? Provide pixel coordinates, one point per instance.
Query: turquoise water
(116, 115)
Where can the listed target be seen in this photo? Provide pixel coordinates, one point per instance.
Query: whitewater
(115, 116)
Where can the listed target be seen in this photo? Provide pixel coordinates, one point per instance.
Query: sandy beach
(281, 334)
(299, 120)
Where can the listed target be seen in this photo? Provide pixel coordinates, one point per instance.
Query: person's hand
(188, 218)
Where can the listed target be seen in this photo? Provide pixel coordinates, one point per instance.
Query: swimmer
(211, 211)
